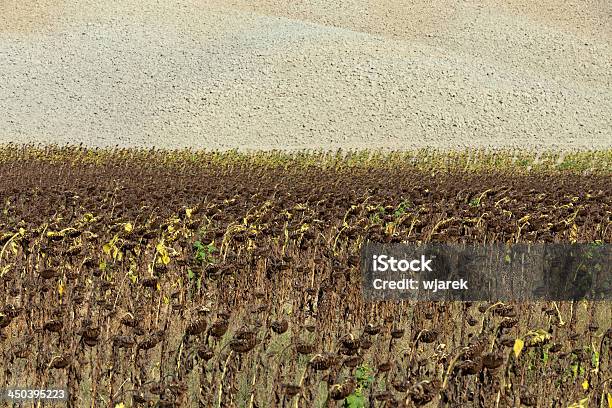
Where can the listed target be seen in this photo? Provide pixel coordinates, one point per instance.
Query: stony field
(307, 74)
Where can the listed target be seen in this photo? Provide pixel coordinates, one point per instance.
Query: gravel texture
(307, 74)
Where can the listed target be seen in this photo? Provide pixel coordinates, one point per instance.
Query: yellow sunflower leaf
(165, 259)
(518, 347)
(583, 403)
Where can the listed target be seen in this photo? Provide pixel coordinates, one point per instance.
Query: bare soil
(307, 74)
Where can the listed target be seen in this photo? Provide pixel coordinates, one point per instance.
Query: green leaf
(574, 368)
(545, 356)
(355, 400)
(595, 359)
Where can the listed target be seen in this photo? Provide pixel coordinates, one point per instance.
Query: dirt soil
(298, 74)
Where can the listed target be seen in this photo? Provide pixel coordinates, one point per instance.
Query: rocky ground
(307, 74)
